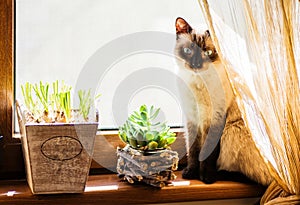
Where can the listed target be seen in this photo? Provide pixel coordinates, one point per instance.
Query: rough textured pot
(57, 155)
(151, 167)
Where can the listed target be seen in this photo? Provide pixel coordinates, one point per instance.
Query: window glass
(109, 46)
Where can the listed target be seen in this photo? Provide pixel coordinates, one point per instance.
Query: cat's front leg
(208, 167)
(209, 154)
(193, 151)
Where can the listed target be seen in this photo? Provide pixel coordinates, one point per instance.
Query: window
(111, 47)
(43, 38)
(11, 161)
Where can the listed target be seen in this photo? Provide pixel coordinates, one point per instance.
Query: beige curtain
(259, 42)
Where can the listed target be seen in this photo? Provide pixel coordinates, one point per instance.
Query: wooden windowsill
(108, 189)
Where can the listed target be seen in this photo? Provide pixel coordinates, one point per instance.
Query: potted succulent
(147, 156)
(57, 141)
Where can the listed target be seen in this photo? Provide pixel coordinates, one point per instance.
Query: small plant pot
(57, 155)
(153, 167)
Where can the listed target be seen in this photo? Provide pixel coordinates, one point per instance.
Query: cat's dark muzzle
(196, 66)
(196, 62)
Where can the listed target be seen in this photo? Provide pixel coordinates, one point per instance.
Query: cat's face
(195, 50)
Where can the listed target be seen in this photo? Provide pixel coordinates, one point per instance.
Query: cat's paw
(208, 178)
(190, 173)
(208, 174)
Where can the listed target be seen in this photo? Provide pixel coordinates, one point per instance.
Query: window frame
(7, 64)
(11, 158)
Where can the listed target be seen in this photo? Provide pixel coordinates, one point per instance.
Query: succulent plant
(141, 131)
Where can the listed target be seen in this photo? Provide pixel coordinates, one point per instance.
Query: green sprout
(59, 101)
(65, 101)
(141, 132)
(55, 102)
(26, 92)
(85, 102)
(42, 93)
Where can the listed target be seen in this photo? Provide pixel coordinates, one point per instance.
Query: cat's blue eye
(187, 50)
(208, 52)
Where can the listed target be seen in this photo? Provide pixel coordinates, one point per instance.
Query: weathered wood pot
(57, 155)
(151, 167)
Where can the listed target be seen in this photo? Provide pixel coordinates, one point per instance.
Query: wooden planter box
(57, 155)
(154, 168)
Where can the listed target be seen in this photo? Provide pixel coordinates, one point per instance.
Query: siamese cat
(216, 138)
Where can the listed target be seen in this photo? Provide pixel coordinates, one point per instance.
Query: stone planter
(151, 167)
(57, 155)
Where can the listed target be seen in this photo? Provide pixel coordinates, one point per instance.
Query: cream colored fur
(238, 151)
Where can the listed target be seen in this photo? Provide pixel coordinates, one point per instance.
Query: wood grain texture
(58, 156)
(11, 159)
(6, 71)
(116, 192)
(154, 167)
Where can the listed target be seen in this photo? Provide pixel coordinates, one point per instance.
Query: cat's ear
(207, 33)
(182, 26)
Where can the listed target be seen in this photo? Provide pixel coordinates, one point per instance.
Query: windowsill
(108, 189)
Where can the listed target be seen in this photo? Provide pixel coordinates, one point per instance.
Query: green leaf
(141, 143)
(152, 145)
(133, 142)
(155, 124)
(151, 110)
(149, 136)
(161, 143)
(143, 108)
(155, 133)
(97, 96)
(169, 134)
(144, 116)
(141, 123)
(139, 136)
(136, 115)
(123, 136)
(170, 140)
(155, 114)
